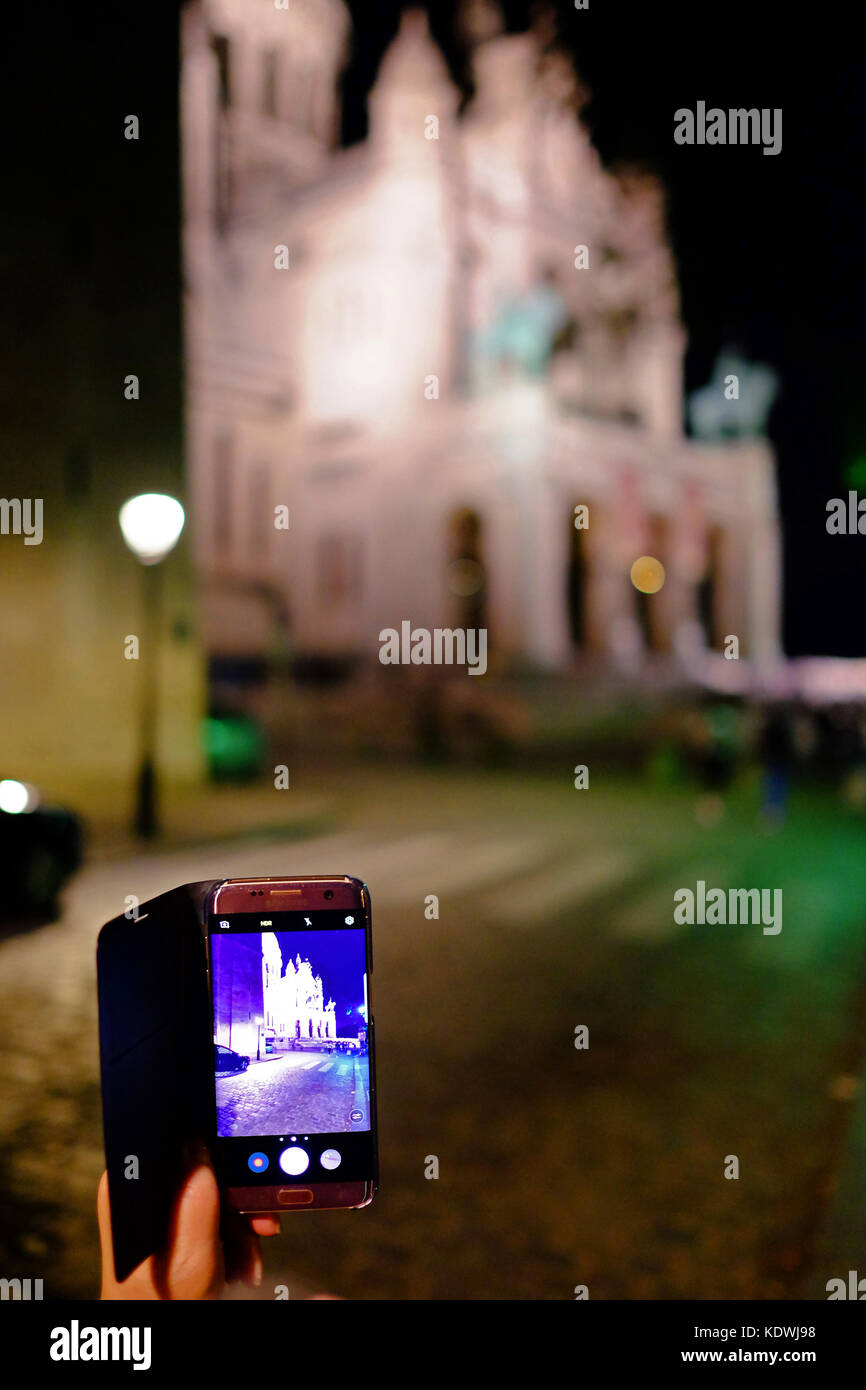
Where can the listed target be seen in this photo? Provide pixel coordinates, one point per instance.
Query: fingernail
(198, 1154)
(205, 1155)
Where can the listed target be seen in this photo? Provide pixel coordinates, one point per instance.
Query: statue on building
(737, 400)
(525, 330)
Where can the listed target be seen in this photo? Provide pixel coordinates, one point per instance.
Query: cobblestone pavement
(315, 1094)
(557, 1166)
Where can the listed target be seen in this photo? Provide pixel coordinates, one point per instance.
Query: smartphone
(290, 964)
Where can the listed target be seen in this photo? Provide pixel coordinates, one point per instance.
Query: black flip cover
(157, 1061)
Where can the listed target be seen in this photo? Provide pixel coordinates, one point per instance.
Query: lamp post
(150, 524)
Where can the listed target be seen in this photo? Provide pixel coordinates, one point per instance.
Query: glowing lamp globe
(151, 524)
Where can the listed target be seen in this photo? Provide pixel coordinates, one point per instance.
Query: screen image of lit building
(258, 999)
(293, 997)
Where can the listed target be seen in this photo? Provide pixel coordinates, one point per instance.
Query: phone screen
(289, 994)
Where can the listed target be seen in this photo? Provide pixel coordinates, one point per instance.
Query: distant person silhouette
(776, 752)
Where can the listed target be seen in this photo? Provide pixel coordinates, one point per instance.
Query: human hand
(206, 1248)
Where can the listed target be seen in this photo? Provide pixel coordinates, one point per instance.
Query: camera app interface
(290, 1025)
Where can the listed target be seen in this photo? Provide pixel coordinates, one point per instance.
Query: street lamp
(150, 524)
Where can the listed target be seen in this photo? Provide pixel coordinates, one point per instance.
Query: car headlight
(16, 797)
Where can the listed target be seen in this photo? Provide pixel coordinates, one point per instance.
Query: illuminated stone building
(478, 331)
(293, 997)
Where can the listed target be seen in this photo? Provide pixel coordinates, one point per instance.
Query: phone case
(157, 1061)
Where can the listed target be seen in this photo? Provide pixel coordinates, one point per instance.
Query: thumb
(192, 1265)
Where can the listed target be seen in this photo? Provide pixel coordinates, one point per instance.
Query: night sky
(768, 248)
(338, 956)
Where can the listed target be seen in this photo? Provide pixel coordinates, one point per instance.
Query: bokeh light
(647, 574)
(16, 797)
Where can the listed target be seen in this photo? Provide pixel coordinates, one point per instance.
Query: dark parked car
(40, 847)
(227, 1062)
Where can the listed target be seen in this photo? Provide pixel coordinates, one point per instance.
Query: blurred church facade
(436, 382)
